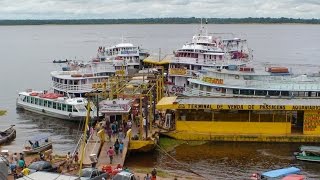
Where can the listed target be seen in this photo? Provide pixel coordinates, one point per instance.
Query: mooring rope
(181, 164)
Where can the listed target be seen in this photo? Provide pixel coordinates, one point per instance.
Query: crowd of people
(17, 166)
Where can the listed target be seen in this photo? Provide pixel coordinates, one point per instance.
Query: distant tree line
(191, 20)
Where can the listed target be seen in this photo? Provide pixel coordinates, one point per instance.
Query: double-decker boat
(205, 50)
(247, 81)
(79, 78)
(54, 105)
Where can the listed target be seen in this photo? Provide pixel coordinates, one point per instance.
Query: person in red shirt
(111, 154)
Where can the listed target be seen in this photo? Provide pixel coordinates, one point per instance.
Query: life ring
(218, 89)
(70, 115)
(237, 77)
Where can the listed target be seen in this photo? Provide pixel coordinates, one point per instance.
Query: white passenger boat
(54, 105)
(205, 50)
(79, 78)
(253, 81)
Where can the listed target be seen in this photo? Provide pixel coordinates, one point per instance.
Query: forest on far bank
(191, 20)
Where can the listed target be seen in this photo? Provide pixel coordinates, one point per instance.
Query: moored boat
(252, 81)
(79, 78)
(275, 174)
(37, 144)
(205, 50)
(308, 153)
(7, 135)
(54, 105)
(60, 61)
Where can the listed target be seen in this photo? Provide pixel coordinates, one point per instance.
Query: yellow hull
(142, 146)
(192, 136)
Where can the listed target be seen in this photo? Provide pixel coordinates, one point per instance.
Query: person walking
(147, 177)
(91, 132)
(154, 174)
(110, 154)
(109, 132)
(121, 147)
(116, 146)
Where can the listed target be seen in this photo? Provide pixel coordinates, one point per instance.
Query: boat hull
(308, 158)
(8, 135)
(49, 112)
(44, 147)
(142, 145)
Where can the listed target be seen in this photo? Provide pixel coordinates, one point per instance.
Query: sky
(119, 9)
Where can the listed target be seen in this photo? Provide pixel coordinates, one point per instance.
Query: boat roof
(122, 45)
(281, 172)
(310, 148)
(40, 175)
(66, 100)
(240, 103)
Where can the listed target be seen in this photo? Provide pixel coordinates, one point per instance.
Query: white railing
(73, 88)
(207, 62)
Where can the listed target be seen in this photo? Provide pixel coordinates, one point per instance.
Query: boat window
(45, 103)
(69, 108)
(41, 102)
(74, 109)
(235, 91)
(24, 99)
(247, 77)
(50, 104)
(64, 107)
(81, 108)
(32, 100)
(59, 106)
(261, 93)
(54, 105)
(28, 99)
(274, 93)
(246, 92)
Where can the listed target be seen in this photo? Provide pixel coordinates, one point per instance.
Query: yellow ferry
(242, 118)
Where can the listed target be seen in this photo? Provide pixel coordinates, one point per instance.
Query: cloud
(110, 9)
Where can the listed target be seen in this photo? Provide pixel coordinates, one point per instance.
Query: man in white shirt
(145, 127)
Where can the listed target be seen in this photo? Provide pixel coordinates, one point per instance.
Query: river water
(26, 56)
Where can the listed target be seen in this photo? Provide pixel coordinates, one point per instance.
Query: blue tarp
(281, 172)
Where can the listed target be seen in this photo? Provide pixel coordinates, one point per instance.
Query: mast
(84, 137)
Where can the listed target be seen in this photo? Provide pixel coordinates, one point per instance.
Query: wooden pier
(117, 158)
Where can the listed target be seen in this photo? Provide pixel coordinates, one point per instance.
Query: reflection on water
(228, 160)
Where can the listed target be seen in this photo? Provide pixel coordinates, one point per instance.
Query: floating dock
(241, 119)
